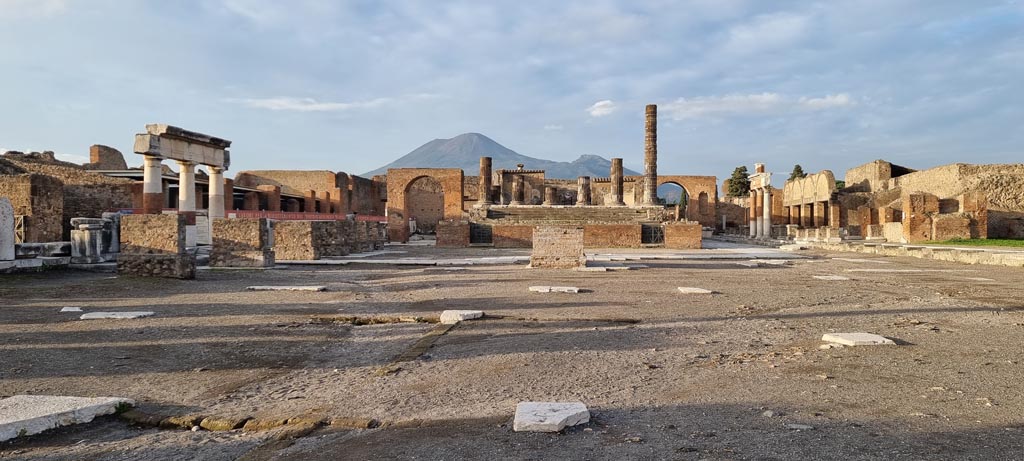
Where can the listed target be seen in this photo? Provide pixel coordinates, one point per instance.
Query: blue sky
(351, 85)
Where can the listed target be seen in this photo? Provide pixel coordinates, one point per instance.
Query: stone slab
(71, 309)
(831, 278)
(857, 339)
(591, 269)
(31, 414)
(115, 315)
(547, 289)
(287, 288)
(694, 291)
(549, 416)
(450, 317)
(6, 230)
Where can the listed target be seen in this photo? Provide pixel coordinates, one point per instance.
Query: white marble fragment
(288, 288)
(547, 289)
(22, 415)
(115, 315)
(857, 339)
(694, 291)
(450, 317)
(832, 278)
(71, 309)
(549, 416)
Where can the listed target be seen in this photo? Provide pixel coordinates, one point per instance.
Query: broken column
(651, 155)
(583, 191)
(485, 182)
(616, 179)
(549, 195)
(6, 230)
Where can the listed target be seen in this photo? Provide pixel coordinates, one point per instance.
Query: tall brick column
(651, 155)
(583, 191)
(309, 199)
(616, 177)
(485, 181)
(152, 188)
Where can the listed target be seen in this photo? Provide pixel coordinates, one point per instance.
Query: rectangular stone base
(180, 266)
(558, 247)
(242, 258)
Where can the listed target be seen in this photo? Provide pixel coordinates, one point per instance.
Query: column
(517, 189)
(752, 214)
(549, 195)
(766, 231)
(760, 214)
(485, 182)
(583, 191)
(216, 209)
(796, 211)
(309, 205)
(186, 186)
(819, 214)
(325, 202)
(616, 177)
(651, 155)
(806, 218)
(152, 186)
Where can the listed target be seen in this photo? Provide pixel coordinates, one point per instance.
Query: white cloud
(79, 159)
(750, 104)
(553, 127)
(21, 8)
(312, 105)
(601, 108)
(766, 32)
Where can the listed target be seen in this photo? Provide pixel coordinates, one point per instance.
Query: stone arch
(694, 186)
(399, 181)
(683, 202)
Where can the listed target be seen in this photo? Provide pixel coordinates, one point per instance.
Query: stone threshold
(986, 256)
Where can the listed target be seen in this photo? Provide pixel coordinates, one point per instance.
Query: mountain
(464, 151)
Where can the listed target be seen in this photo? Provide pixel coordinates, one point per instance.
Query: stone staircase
(572, 215)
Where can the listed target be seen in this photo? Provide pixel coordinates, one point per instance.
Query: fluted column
(616, 177)
(485, 181)
(651, 155)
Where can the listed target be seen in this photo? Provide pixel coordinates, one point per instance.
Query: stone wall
(242, 242)
(310, 240)
(154, 246)
(703, 197)
(452, 234)
(40, 199)
(558, 247)
(512, 236)
(611, 235)
(398, 182)
(425, 204)
(683, 235)
(105, 158)
(366, 196)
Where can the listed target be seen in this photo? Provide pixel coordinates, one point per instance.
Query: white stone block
(857, 339)
(694, 291)
(287, 288)
(591, 269)
(549, 416)
(833, 278)
(6, 230)
(450, 317)
(115, 315)
(31, 414)
(71, 309)
(547, 289)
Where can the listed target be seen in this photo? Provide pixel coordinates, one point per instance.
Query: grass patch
(1017, 243)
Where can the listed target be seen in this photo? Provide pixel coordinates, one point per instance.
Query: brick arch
(695, 186)
(398, 182)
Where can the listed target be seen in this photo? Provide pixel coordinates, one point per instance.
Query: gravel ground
(666, 375)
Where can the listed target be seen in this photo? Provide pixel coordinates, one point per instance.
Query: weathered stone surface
(71, 309)
(115, 315)
(223, 424)
(154, 246)
(549, 416)
(31, 414)
(450, 317)
(6, 230)
(241, 242)
(833, 278)
(857, 339)
(683, 235)
(694, 291)
(287, 288)
(547, 289)
(558, 247)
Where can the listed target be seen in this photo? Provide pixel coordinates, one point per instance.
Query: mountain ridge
(464, 151)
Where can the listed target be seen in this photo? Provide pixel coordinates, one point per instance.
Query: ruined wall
(470, 191)
(105, 158)
(452, 234)
(292, 182)
(871, 176)
(398, 182)
(735, 211)
(310, 240)
(241, 242)
(611, 235)
(425, 203)
(366, 195)
(703, 197)
(41, 200)
(153, 245)
(511, 236)
(683, 235)
(558, 247)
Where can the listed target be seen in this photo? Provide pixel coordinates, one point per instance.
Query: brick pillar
(292, 205)
(651, 155)
(251, 202)
(309, 200)
(583, 191)
(807, 215)
(549, 195)
(517, 189)
(338, 200)
(229, 194)
(325, 202)
(616, 176)
(752, 215)
(819, 214)
(152, 187)
(834, 215)
(485, 181)
(273, 196)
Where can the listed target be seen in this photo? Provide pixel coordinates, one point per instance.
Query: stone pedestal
(583, 191)
(87, 240)
(485, 182)
(549, 196)
(616, 180)
(6, 230)
(558, 247)
(242, 243)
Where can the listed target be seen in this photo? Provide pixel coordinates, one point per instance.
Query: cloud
(553, 127)
(766, 32)
(22, 8)
(312, 105)
(79, 159)
(601, 108)
(750, 104)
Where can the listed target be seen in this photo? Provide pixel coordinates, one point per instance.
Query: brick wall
(41, 200)
(558, 247)
(611, 235)
(512, 236)
(453, 234)
(154, 246)
(683, 235)
(241, 242)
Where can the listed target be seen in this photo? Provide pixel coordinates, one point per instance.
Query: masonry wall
(366, 196)
(611, 235)
(425, 203)
(558, 247)
(683, 235)
(512, 236)
(154, 246)
(452, 234)
(241, 242)
(41, 200)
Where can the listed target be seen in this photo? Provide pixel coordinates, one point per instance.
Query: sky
(352, 85)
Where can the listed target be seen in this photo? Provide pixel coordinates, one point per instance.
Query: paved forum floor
(666, 375)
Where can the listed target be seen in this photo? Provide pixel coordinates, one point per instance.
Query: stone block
(450, 317)
(857, 339)
(948, 227)
(694, 291)
(683, 236)
(549, 416)
(242, 242)
(288, 288)
(115, 315)
(512, 236)
(549, 289)
(452, 234)
(832, 278)
(6, 230)
(611, 235)
(558, 247)
(22, 415)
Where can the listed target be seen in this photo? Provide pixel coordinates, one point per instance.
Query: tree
(798, 172)
(840, 184)
(739, 182)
